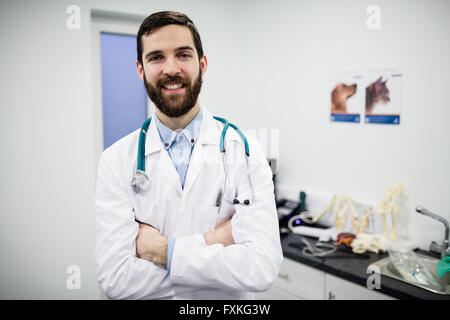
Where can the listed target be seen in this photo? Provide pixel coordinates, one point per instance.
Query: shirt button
(192, 140)
(166, 144)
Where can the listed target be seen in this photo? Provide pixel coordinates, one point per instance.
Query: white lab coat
(198, 271)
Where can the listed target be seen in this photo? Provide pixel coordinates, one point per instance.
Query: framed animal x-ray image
(382, 97)
(347, 97)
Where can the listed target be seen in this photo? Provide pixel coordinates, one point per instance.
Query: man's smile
(173, 87)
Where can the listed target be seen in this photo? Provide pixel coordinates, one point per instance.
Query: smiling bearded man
(171, 103)
(169, 223)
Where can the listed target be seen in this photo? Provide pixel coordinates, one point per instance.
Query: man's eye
(156, 58)
(185, 55)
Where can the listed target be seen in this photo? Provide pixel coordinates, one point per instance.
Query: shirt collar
(191, 131)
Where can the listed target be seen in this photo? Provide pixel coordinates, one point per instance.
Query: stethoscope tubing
(141, 175)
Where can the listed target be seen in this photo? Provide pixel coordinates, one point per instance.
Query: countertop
(353, 269)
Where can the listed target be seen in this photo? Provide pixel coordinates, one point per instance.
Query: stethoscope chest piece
(140, 182)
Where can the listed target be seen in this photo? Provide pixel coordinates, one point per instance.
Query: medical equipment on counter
(345, 238)
(390, 207)
(287, 209)
(341, 252)
(319, 249)
(141, 183)
(370, 242)
(360, 220)
(323, 234)
(408, 265)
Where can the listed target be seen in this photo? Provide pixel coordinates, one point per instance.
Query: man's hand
(221, 234)
(151, 245)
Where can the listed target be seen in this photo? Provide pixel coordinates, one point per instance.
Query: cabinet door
(275, 293)
(339, 289)
(301, 280)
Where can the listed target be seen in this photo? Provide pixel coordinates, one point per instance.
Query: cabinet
(297, 281)
(276, 293)
(340, 289)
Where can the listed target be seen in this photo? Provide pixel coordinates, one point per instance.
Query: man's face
(171, 70)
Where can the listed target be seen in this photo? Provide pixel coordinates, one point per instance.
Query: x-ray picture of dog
(346, 97)
(382, 93)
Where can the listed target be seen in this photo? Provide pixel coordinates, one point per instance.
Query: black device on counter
(295, 209)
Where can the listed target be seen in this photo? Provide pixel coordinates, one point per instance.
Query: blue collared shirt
(179, 145)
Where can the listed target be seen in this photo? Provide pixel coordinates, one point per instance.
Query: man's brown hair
(161, 19)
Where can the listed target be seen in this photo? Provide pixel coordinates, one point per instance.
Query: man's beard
(173, 105)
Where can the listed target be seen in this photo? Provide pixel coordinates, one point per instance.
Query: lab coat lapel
(165, 166)
(208, 135)
(196, 164)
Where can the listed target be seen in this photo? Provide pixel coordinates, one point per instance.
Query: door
(124, 97)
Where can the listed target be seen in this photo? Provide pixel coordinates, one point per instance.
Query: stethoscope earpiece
(246, 201)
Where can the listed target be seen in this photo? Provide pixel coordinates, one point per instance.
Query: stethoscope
(140, 182)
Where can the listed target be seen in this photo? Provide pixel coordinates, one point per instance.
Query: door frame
(110, 22)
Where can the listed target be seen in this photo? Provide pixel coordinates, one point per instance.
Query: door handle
(284, 276)
(331, 296)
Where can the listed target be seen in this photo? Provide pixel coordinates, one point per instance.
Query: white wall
(269, 63)
(290, 48)
(50, 137)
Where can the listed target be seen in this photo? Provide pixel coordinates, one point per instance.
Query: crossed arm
(152, 246)
(131, 263)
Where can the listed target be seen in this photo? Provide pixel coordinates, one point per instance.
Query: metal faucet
(443, 249)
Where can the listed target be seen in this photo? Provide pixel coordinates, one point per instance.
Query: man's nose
(171, 67)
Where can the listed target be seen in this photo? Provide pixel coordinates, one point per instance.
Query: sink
(388, 269)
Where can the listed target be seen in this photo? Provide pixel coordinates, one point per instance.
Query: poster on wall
(382, 97)
(347, 97)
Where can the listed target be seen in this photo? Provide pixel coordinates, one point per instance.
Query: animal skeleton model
(389, 208)
(341, 206)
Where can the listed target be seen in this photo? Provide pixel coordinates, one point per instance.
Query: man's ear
(140, 70)
(203, 65)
